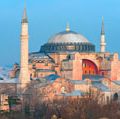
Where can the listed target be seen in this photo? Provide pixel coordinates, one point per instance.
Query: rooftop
(68, 37)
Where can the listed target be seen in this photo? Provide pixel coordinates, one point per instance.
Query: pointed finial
(24, 18)
(25, 3)
(102, 30)
(67, 27)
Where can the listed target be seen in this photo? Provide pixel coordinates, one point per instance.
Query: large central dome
(67, 41)
(68, 37)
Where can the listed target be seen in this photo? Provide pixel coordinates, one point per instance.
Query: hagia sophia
(70, 64)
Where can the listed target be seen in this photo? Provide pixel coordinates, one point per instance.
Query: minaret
(102, 41)
(24, 77)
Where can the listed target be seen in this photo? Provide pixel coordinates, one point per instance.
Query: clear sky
(47, 17)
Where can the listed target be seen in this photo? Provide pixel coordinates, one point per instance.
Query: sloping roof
(116, 82)
(4, 76)
(36, 55)
(44, 70)
(77, 82)
(14, 81)
(74, 93)
(52, 77)
(101, 86)
(93, 77)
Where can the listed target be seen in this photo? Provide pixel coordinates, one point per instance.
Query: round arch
(89, 67)
(115, 97)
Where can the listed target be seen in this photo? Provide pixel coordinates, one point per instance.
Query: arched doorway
(89, 67)
(115, 97)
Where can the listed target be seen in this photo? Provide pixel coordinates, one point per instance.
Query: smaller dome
(68, 37)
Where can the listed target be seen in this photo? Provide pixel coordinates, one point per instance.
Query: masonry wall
(115, 68)
(77, 68)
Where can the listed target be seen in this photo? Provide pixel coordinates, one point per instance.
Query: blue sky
(47, 17)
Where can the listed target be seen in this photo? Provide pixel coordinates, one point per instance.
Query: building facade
(70, 64)
(71, 56)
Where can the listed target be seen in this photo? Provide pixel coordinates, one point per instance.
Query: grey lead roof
(68, 37)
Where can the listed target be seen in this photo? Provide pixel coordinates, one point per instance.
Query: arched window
(63, 90)
(83, 65)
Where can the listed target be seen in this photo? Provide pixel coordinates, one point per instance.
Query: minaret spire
(102, 40)
(102, 29)
(67, 27)
(24, 18)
